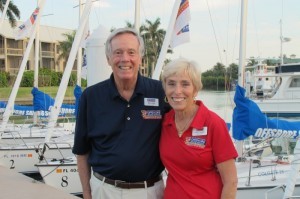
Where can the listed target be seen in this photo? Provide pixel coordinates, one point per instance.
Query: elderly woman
(195, 144)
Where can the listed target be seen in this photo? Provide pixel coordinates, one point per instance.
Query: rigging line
(228, 3)
(256, 34)
(144, 13)
(148, 37)
(281, 9)
(96, 13)
(236, 33)
(149, 25)
(220, 57)
(281, 21)
(225, 50)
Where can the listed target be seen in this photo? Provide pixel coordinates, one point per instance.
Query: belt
(128, 185)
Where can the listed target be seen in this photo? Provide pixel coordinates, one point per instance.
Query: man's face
(125, 58)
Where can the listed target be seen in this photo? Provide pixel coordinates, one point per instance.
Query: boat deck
(14, 185)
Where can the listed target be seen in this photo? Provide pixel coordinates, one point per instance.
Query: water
(220, 102)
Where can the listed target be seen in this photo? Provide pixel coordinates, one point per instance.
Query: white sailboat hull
(260, 193)
(28, 134)
(62, 175)
(263, 177)
(23, 158)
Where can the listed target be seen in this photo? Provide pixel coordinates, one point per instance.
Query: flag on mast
(84, 38)
(85, 35)
(25, 29)
(84, 66)
(181, 33)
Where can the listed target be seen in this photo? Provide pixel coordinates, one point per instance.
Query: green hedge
(213, 83)
(27, 79)
(51, 78)
(46, 78)
(4, 79)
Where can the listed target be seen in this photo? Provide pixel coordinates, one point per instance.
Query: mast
(79, 53)
(137, 16)
(281, 41)
(36, 63)
(242, 52)
(10, 104)
(4, 12)
(166, 43)
(64, 82)
(242, 58)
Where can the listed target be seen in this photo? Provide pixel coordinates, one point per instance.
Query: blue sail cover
(18, 109)
(77, 94)
(2, 105)
(43, 102)
(249, 120)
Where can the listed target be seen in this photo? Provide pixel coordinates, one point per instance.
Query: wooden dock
(14, 185)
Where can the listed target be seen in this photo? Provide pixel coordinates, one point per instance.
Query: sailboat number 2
(12, 166)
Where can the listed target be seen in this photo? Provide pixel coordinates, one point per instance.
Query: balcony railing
(47, 54)
(11, 51)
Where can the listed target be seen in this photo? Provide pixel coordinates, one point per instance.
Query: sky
(214, 25)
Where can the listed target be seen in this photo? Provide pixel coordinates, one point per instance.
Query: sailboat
(23, 157)
(20, 134)
(267, 174)
(54, 171)
(35, 132)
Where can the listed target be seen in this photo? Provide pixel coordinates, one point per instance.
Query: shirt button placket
(128, 106)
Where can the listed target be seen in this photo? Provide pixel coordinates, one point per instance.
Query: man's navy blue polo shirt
(122, 137)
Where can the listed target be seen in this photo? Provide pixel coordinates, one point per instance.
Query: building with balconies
(12, 51)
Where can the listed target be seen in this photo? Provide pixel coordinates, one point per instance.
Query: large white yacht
(282, 97)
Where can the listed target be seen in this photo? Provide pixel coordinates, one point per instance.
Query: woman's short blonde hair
(182, 65)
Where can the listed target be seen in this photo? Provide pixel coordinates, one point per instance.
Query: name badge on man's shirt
(150, 101)
(198, 132)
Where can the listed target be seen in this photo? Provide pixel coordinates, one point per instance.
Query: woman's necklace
(182, 128)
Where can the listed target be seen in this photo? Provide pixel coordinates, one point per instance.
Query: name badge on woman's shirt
(198, 132)
(150, 101)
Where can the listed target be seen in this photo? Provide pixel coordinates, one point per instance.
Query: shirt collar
(200, 117)
(198, 121)
(139, 88)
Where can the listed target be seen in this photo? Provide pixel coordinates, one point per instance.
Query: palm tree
(65, 46)
(252, 61)
(219, 69)
(129, 25)
(12, 12)
(153, 36)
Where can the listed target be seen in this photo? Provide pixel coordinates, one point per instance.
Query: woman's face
(180, 91)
